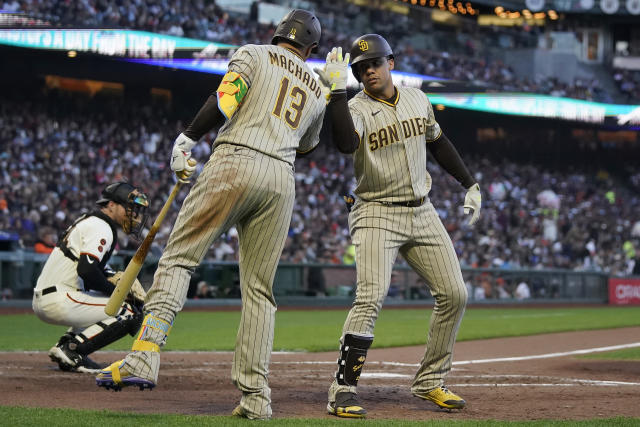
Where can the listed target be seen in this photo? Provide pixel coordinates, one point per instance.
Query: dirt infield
(559, 386)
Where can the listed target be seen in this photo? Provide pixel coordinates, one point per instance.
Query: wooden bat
(133, 268)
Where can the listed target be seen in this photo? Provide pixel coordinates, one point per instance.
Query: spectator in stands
(522, 291)
(46, 242)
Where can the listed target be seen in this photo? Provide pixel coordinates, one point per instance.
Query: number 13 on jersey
(293, 112)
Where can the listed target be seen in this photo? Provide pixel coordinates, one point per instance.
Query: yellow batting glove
(337, 69)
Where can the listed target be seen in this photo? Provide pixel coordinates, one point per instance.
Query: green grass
(319, 330)
(626, 354)
(17, 416)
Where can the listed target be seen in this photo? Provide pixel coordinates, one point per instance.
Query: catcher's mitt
(137, 292)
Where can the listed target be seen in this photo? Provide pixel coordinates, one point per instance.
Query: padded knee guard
(353, 353)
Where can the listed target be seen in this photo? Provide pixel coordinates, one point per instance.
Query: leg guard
(353, 353)
(104, 333)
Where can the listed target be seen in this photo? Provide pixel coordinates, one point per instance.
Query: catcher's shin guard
(353, 353)
(103, 333)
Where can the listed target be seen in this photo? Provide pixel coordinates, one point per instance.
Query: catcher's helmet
(133, 200)
(369, 46)
(300, 28)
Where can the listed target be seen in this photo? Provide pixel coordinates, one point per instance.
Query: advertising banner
(624, 291)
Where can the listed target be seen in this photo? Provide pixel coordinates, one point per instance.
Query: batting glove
(335, 72)
(473, 202)
(180, 156)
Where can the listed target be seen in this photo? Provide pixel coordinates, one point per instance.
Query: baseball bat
(133, 268)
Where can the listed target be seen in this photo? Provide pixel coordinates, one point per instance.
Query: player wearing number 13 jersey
(272, 107)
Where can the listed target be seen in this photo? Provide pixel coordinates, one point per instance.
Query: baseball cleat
(89, 366)
(116, 378)
(240, 412)
(442, 397)
(66, 359)
(346, 406)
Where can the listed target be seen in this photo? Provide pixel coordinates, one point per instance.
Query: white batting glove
(180, 157)
(335, 72)
(473, 202)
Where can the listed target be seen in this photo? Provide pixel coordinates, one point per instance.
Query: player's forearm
(447, 156)
(343, 131)
(208, 117)
(93, 278)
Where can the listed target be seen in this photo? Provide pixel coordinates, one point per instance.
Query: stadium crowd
(463, 55)
(58, 150)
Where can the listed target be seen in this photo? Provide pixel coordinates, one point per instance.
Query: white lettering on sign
(627, 291)
(139, 46)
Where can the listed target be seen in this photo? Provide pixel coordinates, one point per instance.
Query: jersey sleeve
(244, 63)
(433, 131)
(311, 137)
(96, 238)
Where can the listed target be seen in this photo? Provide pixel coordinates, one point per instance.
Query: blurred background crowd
(545, 205)
(60, 149)
(468, 54)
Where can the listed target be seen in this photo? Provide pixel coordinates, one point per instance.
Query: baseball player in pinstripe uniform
(389, 130)
(272, 107)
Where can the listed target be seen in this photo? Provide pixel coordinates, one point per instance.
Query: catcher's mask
(134, 202)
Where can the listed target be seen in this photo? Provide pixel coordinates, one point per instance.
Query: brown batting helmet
(300, 28)
(369, 46)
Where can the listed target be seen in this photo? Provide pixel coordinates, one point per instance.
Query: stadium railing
(217, 283)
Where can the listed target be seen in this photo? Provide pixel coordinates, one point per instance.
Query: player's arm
(333, 76)
(448, 158)
(227, 98)
(92, 275)
(311, 138)
(209, 117)
(219, 107)
(343, 131)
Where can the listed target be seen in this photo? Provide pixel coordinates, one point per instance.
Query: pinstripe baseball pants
(378, 233)
(242, 187)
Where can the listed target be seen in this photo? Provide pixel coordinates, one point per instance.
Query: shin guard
(353, 353)
(104, 333)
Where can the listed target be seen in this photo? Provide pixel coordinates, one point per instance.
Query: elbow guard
(230, 93)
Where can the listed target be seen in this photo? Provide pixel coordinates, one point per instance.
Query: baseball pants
(242, 187)
(378, 233)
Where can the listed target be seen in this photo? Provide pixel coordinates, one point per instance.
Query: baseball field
(533, 366)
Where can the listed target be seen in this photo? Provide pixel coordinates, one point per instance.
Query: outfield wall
(217, 283)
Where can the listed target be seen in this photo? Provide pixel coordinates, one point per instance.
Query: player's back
(283, 102)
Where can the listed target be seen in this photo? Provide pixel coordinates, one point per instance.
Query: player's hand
(473, 202)
(137, 292)
(335, 72)
(180, 157)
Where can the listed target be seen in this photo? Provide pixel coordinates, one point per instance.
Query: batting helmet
(369, 46)
(300, 28)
